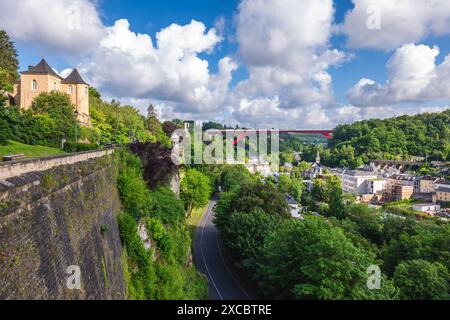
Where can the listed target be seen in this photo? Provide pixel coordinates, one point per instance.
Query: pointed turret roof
(74, 78)
(42, 68)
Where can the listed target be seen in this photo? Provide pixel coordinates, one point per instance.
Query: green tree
(422, 280)
(368, 222)
(284, 183)
(319, 192)
(166, 206)
(154, 126)
(5, 129)
(58, 107)
(245, 234)
(136, 197)
(233, 177)
(311, 259)
(262, 196)
(195, 190)
(296, 189)
(8, 62)
(430, 242)
(335, 198)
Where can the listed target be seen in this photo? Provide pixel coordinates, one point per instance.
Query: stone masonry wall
(54, 219)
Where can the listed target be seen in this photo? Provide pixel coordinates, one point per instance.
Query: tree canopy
(195, 190)
(9, 63)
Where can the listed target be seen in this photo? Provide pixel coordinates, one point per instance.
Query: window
(34, 85)
(70, 89)
(55, 86)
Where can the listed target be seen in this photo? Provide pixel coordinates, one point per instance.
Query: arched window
(55, 86)
(34, 85)
(70, 89)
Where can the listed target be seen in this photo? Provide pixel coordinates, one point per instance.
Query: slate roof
(443, 189)
(42, 68)
(74, 78)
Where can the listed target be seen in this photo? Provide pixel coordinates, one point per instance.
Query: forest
(425, 135)
(327, 256)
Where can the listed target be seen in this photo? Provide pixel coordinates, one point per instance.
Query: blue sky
(384, 58)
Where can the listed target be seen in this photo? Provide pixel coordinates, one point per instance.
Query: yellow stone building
(42, 78)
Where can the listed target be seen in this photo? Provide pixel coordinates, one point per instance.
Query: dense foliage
(391, 139)
(8, 63)
(327, 257)
(162, 272)
(195, 190)
(114, 123)
(47, 123)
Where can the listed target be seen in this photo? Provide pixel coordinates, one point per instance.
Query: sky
(297, 64)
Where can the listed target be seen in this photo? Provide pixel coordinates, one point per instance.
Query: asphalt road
(211, 258)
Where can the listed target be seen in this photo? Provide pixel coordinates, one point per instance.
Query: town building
(427, 207)
(442, 194)
(313, 172)
(401, 192)
(259, 165)
(427, 184)
(355, 182)
(405, 180)
(376, 186)
(294, 207)
(441, 183)
(42, 78)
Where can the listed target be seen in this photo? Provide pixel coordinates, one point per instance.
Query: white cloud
(401, 22)
(287, 57)
(67, 26)
(269, 113)
(65, 73)
(130, 65)
(413, 76)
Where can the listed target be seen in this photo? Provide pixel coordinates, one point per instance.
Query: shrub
(167, 207)
(142, 283)
(72, 147)
(136, 197)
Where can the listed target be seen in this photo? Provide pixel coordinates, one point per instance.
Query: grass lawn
(14, 147)
(194, 220)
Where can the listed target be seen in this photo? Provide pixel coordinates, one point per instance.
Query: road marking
(203, 254)
(229, 271)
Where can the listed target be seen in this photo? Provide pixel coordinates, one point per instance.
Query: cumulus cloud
(287, 57)
(268, 113)
(400, 22)
(413, 76)
(67, 26)
(123, 63)
(131, 65)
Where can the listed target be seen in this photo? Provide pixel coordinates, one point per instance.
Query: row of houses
(371, 186)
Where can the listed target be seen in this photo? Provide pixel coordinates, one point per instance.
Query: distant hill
(396, 138)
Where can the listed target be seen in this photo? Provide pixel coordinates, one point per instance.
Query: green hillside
(14, 147)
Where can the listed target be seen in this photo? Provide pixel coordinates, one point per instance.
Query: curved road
(211, 258)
